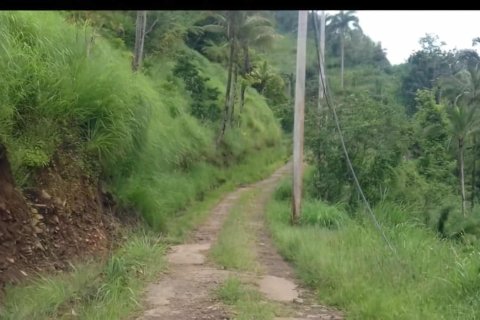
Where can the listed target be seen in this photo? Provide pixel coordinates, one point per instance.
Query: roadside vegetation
(411, 133)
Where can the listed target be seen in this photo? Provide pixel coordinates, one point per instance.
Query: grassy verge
(246, 301)
(234, 246)
(346, 261)
(112, 289)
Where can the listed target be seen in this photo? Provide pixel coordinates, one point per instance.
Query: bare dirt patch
(64, 218)
(278, 289)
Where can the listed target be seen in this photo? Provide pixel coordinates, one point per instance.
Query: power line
(328, 99)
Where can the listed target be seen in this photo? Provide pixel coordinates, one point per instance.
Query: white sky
(399, 31)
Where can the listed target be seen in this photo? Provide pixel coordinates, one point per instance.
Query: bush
(204, 97)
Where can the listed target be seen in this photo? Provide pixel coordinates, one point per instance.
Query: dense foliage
(410, 130)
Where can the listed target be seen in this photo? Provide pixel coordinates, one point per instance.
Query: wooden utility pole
(299, 116)
(140, 26)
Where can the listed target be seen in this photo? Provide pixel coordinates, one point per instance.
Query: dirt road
(185, 291)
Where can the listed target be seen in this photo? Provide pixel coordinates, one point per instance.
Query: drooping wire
(328, 99)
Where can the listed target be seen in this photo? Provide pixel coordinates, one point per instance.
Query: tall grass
(53, 90)
(351, 267)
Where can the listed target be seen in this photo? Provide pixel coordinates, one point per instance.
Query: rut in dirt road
(185, 291)
(278, 282)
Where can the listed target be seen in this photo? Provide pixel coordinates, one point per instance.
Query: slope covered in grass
(135, 131)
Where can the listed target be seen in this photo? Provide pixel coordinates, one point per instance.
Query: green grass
(247, 303)
(234, 248)
(351, 267)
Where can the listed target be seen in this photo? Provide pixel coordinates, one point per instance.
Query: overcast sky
(399, 31)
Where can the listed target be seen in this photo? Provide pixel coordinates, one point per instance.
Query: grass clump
(234, 246)
(246, 301)
(318, 213)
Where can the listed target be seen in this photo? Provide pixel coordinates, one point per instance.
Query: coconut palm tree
(227, 22)
(257, 32)
(341, 24)
(243, 30)
(260, 76)
(463, 123)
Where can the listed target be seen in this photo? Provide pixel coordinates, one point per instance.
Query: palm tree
(466, 81)
(243, 30)
(227, 22)
(254, 31)
(463, 123)
(260, 76)
(341, 24)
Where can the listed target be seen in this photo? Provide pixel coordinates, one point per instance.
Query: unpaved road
(185, 291)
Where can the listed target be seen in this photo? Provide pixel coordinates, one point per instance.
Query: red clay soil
(64, 218)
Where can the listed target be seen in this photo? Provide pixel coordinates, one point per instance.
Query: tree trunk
(462, 173)
(233, 94)
(474, 172)
(321, 73)
(246, 70)
(342, 53)
(227, 94)
(139, 39)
